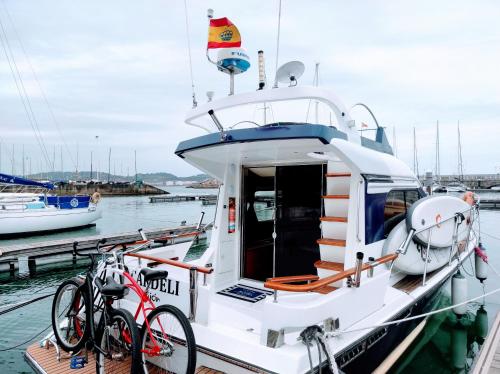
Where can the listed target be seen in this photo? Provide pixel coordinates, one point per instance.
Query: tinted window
(396, 207)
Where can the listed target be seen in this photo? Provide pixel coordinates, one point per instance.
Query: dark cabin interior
(292, 195)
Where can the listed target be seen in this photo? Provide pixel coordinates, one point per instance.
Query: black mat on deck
(245, 293)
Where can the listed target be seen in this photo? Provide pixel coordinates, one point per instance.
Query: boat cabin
(297, 198)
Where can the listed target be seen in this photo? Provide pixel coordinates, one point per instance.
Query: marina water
(432, 351)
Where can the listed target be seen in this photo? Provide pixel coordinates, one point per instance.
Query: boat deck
(44, 361)
(411, 282)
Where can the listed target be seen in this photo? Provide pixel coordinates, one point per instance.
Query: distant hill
(151, 178)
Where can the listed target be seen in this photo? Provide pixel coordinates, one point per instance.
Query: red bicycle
(167, 340)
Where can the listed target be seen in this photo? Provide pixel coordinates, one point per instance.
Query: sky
(115, 74)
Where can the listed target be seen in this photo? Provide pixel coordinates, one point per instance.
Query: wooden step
(327, 265)
(333, 175)
(334, 242)
(333, 219)
(336, 197)
(325, 289)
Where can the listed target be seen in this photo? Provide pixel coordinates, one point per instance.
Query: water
(434, 350)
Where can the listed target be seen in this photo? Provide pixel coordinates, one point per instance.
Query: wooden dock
(489, 204)
(44, 361)
(182, 198)
(25, 257)
(488, 361)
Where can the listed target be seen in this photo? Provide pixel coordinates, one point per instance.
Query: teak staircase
(334, 223)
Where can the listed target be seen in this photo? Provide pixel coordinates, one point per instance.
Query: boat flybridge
(320, 237)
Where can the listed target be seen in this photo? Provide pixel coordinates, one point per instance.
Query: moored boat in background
(28, 208)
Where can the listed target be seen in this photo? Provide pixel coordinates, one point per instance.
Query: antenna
(262, 70)
(290, 72)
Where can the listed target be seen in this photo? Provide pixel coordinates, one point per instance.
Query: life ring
(95, 198)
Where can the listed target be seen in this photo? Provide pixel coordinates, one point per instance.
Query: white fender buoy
(458, 346)
(459, 293)
(481, 324)
(480, 263)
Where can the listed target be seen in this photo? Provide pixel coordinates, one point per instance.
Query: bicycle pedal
(77, 362)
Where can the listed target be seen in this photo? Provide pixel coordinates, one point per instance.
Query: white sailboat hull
(18, 222)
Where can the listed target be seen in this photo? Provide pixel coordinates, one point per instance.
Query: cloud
(120, 69)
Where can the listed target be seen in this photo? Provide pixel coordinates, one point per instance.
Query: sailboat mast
(460, 161)
(135, 164)
(109, 164)
(438, 161)
(415, 153)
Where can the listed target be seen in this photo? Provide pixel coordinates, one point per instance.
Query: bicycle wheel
(119, 344)
(69, 315)
(168, 344)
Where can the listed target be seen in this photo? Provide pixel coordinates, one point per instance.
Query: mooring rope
(24, 303)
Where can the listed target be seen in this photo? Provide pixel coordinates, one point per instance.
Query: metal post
(358, 268)
(453, 240)
(200, 221)
(404, 247)
(275, 296)
(424, 278)
(193, 293)
(231, 83)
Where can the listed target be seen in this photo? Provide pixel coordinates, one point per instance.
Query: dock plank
(44, 361)
(53, 247)
(488, 360)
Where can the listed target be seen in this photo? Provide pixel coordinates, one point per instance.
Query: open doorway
(286, 199)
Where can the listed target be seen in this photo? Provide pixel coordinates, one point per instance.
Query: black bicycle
(79, 303)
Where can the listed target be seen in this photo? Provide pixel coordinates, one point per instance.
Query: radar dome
(233, 60)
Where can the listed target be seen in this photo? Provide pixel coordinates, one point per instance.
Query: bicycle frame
(88, 288)
(145, 304)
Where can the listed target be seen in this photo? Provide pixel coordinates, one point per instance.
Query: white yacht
(344, 241)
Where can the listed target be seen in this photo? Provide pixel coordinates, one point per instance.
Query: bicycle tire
(109, 360)
(74, 341)
(184, 346)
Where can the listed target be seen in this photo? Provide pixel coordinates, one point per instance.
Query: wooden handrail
(183, 235)
(279, 286)
(294, 278)
(178, 264)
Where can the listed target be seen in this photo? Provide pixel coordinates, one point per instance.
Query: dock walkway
(44, 361)
(180, 198)
(488, 361)
(26, 256)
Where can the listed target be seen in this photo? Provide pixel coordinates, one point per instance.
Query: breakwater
(109, 189)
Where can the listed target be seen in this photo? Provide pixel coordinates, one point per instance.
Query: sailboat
(27, 207)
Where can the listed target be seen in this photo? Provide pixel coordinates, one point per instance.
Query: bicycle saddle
(111, 288)
(152, 274)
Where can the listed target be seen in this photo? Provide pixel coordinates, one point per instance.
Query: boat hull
(367, 354)
(29, 222)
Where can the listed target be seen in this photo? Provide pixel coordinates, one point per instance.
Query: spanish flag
(223, 34)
